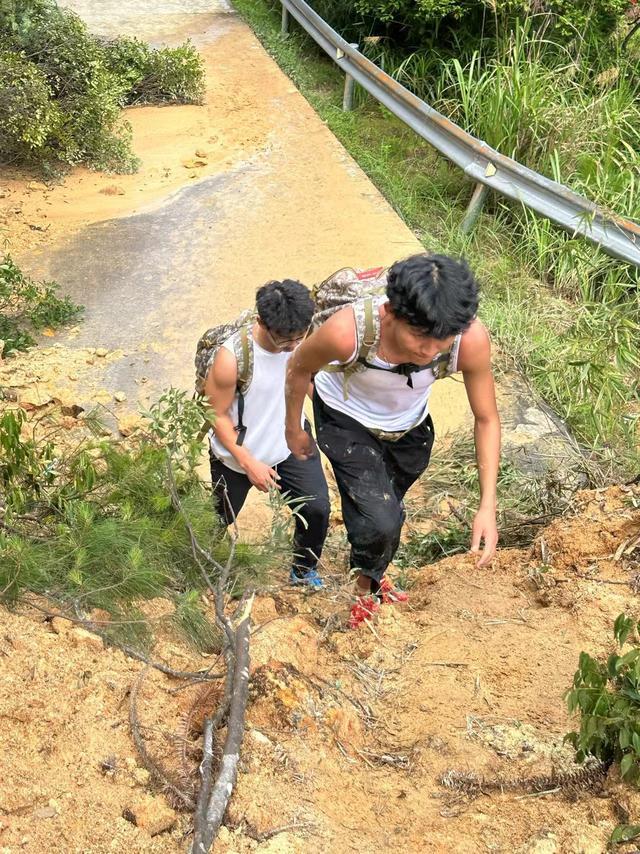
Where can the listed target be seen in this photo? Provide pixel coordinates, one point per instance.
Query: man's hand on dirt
(484, 528)
(261, 475)
(301, 444)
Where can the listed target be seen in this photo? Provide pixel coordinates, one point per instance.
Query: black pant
(299, 478)
(373, 476)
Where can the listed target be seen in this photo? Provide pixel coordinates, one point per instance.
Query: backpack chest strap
(407, 369)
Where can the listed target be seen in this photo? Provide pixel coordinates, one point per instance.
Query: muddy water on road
(154, 21)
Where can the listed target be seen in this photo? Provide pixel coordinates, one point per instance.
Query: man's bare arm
(334, 341)
(220, 389)
(475, 363)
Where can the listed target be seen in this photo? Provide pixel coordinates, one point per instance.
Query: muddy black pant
(373, 476)
(298, 478)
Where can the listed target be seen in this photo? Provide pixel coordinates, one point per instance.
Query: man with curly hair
(372, 413)
(247, 443)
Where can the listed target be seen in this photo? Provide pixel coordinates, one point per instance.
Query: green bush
(62, 89)
(26, 305)
(154, 76)
(606, 695)
(29, 116)
(412, 22)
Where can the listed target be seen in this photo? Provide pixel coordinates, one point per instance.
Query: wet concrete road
(288, 202)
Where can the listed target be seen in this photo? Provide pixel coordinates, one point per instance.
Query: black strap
(241, 430)
(408, 368)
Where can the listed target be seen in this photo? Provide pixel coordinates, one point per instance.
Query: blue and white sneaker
(310, 579)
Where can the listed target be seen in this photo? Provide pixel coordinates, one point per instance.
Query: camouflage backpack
(359, 288)
(238, 331)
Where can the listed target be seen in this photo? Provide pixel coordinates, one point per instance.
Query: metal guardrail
(487, 167)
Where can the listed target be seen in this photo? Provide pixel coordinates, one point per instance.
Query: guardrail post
(284, 27)
(349, 86)
(480, 193)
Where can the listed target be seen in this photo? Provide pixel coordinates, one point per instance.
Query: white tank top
(264, 411)
(381, 400)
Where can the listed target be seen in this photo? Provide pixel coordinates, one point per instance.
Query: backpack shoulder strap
(242, 343)
(243, 351)
(367, 324)
(245, 365)
(367, 328)
(367, 318)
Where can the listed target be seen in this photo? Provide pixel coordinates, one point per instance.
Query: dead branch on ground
(214, 794)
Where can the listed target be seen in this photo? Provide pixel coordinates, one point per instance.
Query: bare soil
(348, 732)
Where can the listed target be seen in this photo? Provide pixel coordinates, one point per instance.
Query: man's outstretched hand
(484, 528)
(301, 444)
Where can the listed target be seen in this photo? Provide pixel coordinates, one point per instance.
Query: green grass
(575, 342)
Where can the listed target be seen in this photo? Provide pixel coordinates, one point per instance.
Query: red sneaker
(389, 594)
(363, 609)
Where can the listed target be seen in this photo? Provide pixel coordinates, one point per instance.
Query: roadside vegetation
(565, 103)
(62, 90)
(27, 306)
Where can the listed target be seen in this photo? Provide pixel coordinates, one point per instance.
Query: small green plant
(286, 510)
(606, 695)
(421, 549)
(624, 833)
(27, 305)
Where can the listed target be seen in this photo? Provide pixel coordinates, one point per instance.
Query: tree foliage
(412, 22)
(94, 526)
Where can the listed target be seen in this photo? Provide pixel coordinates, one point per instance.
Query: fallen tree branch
(206, 772)
(131, 652)
(217, 799)
(213, 797)
(579, 778)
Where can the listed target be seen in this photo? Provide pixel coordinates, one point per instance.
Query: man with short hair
(372, 413)
(248, 447)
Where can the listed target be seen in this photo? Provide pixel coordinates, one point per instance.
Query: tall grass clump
(567, 114)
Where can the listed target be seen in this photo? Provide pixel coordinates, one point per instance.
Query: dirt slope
(347, 731)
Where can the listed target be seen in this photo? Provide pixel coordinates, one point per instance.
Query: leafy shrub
(29, 116)
(62, 89)
(154, 76)
(26, 305)
(412, 22)
(607, 697)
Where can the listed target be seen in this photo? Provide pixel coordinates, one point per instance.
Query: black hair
(435, 294)
(284, 307)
